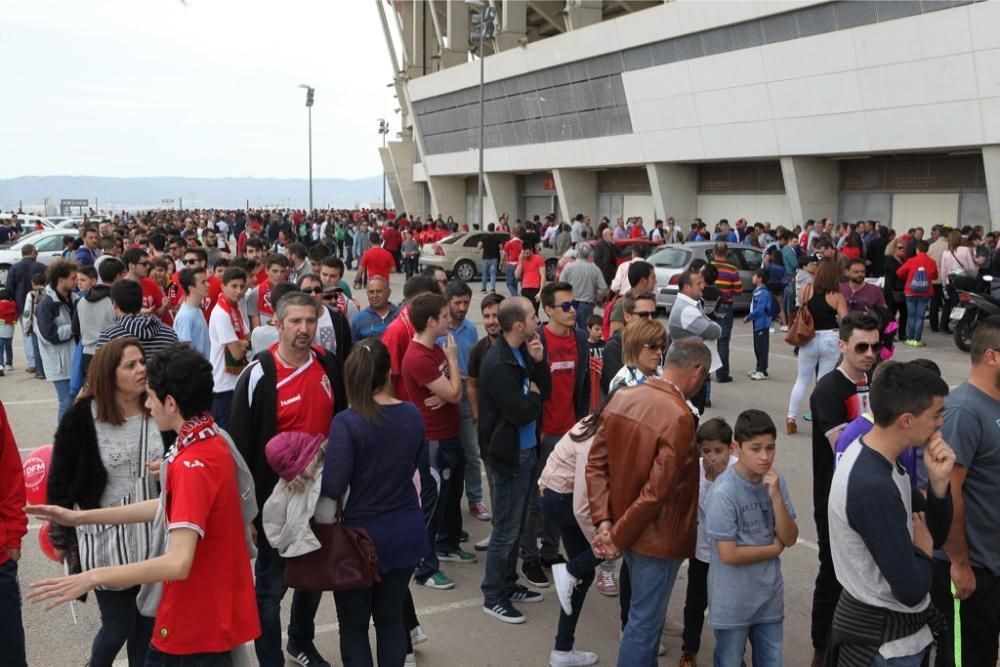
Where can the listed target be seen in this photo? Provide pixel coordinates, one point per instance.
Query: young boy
(86, 278)
(715, 438)
(750, 520)
(229, 340)
(207, 608)
(760, 315)
(595, 343)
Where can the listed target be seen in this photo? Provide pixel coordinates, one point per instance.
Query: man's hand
(63, 589)
(772, 482)
(922, 535)
(535, 349)
(14, 554)
(451, 349)
(538, 297)
(714, 465)
(54, 513)
(939, 459)
(434, 402)
(964, 578)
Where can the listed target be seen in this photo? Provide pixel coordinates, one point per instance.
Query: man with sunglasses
(138, 264)
(195, 258)
(839, 397)
(333, 332)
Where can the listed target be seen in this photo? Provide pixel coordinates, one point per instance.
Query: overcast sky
(207, 88)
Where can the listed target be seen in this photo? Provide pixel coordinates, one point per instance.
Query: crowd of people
(224, 400)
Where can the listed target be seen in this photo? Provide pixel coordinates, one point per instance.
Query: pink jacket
(566, 472)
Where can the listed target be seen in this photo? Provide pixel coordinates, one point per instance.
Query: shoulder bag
(346, 559)
(803, 329)
(109, 545)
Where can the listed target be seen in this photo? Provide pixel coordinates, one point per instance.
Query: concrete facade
(577, 192)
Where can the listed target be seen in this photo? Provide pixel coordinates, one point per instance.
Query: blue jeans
(724, 316)
(222, 404)
(584, 309)
(490, 270)
(29, 347)
(11, 625)
(537, 526)
(510, 495)
(765, 638)
(652, 582)
(156, 658)
(914, 660)
(270, 588)
(441, 503)
(39, 366)
(121, 625)
(512, 280)
(64, 395)
(7, 351)
(916, 307)
(761, 348)
(470, 446)
(383, 604)
(789, 299)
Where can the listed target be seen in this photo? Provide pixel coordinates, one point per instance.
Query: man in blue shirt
(190, 322)
(87, 254)
(373, 320)
(464, 332)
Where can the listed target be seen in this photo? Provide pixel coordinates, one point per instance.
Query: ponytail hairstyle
(591, 422)
(366, 371)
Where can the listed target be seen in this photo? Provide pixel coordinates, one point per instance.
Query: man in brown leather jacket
(642, 480)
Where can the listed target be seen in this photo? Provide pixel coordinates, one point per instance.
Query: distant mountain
(144, 193)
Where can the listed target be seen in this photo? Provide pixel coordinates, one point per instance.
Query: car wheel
(550, 269)
(465, 270)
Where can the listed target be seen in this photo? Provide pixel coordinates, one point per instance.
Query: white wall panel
(988, 73)
(840, 133)
(952, 124)
(739, 140)
(615, 150)
(664, 114)
(924, 210)
(727, 70)
(816, 95)
(753, 207)
(921, 82)
(672, 145)
(807, 57)
(990, 113)
(984, 17)
(657, 82)
(733, 105)
(634, 205)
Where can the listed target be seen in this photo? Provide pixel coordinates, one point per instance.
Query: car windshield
(670, 258)
(448, 240)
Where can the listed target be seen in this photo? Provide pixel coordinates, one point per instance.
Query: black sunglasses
(312, 290)
(649, 314)
(566, 306)
(861, 348)
(191, 262)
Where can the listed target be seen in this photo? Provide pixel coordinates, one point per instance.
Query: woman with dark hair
(644, 342)
(564, 501)
(818, 356)
(375, 447)
(100, 458)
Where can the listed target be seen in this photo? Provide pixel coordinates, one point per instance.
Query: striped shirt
(728, 281)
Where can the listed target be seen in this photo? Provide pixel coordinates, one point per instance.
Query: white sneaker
(411, 660)
(572, 658)
(9, 367)
(565, 583)
(672, 628)
(418, 635)
(773, 330)
(784, 328)
(483, 544)
(757, 375)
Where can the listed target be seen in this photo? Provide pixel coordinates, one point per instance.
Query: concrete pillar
(513, 25)
(675, 191)
(581, 13)
(577, 190)
(390, 177)
(991, 165)
(407, 194)
(501, 196)
(458, 34)
(447, 196)
(812, 185)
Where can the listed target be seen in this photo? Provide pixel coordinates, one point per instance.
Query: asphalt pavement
(460, 634)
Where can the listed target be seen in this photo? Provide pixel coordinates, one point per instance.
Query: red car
(623, 251)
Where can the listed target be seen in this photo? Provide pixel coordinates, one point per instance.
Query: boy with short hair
(595, 342)
(715, 441)
(760, 315)
(750, 520)
(229, 336)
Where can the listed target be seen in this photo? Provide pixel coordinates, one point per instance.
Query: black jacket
(254, 415)
(342, 331)
(503, 407)
(604, 258)
(581, 392)
(612, 361)
(19, 280)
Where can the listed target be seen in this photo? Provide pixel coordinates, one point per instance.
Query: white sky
(207, 89)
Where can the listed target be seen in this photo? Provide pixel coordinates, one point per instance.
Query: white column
(447, 196)
(501, 196)
(582, 13)
(406, 194)
(458, 34)
(513, 25)
(812, 185)
(991, 165)
(675, 191)
(577, 190)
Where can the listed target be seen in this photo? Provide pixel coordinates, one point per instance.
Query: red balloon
(36, 475)
(45, 542)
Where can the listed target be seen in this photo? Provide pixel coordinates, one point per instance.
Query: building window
(740, 177)
(914, 173)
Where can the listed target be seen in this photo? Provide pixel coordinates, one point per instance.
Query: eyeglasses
(645, 313)
(329, 297)
(566, 306)
(862, 348)
(312, 290)
(191, 262)
(655, 347)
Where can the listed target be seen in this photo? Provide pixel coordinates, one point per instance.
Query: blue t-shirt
(191, 327)
(743, 595)
(466, 338)
(526, 432)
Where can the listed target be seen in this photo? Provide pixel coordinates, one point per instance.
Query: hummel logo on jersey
(194, 464)
(294, 399)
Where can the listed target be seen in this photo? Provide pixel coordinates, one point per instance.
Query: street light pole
(309, 103)
(383, 129)
(487, 15)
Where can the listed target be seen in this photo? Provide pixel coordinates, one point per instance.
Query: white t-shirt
(221, 332)
(703, 550)
(326, 337)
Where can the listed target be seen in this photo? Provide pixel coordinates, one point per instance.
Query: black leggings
(382, 603)
(121, 625)
(695, 605)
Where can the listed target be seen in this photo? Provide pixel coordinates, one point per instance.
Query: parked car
(27, 221)
(459, 257)
(623, 252)
(49, 245)
(69, 223)
(673, 259)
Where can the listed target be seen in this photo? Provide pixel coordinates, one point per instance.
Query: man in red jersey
(206, 567)
(195, 258)
(290, 387)
(137, 263)
(377, 261)
(398, 335)
(259, 306)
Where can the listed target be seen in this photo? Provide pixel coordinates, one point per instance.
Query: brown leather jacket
(642, 473)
